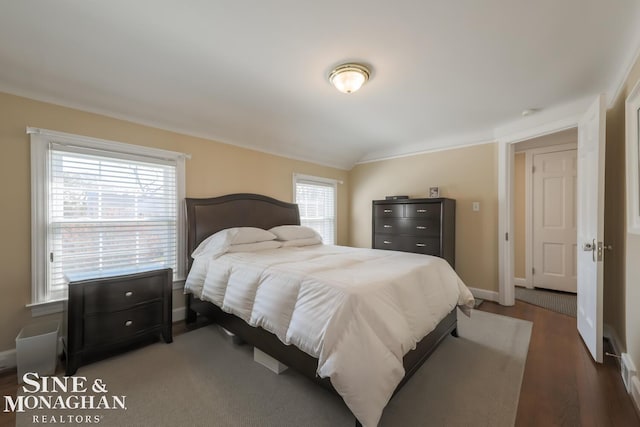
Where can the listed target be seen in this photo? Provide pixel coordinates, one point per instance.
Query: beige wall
(214, 169)
(519, 238)
(614, 225)
(465, 174)
(622, 273)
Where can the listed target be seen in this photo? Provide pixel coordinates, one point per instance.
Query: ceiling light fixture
(348, 78)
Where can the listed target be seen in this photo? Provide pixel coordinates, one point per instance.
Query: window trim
(321, 180)
(40, 140)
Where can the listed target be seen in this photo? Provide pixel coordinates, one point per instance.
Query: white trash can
(37, 348)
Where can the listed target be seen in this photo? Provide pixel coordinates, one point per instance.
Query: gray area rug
(204, 380)
(560, 302)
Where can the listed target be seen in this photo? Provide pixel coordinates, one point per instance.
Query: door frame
(506, 160)
(528, 203)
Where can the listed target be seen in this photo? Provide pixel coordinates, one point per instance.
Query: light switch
(476, 206)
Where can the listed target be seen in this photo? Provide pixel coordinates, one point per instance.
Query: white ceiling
(254, 72)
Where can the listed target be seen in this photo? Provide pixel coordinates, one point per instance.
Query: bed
(206, 217)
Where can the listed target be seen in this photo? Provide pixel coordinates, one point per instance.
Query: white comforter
(359, 311)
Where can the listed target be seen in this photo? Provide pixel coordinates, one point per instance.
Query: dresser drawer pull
(388, 210)
(421, 227)
(421, 210)
(128, 323)
(386, 242)
(420, 245)
(387, 226)
(128, 294)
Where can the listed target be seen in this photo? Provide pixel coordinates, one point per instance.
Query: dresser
(107, 313)
(423, 226)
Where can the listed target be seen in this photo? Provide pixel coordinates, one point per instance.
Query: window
(102, 207)
(316, 199)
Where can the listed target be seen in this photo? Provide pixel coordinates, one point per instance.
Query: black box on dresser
(424, 226)
(109, 313)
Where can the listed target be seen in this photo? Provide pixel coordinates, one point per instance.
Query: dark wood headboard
(208, 216)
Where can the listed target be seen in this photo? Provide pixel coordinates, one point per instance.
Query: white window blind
(103, 212)
(316, 199)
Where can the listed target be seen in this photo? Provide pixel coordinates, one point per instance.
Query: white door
(554, 220)
(590, 225)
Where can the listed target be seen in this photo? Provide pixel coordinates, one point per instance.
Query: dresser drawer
(390, 225)
(388, 211)
(104, 328)
(386, 242)
(420, 245)
(423, 210)
(114, 296)
(421, 227)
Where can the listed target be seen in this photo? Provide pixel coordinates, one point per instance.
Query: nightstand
(107, 313)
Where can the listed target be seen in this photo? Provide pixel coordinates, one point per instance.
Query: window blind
(317, 204)
(109, 213)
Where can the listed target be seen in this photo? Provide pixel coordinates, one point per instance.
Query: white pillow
(253, 247)
(294, 232)
(252, 235)
(302, 242)
(218, 243)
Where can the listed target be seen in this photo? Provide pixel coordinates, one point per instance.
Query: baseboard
(179, 314)
(520, 281)
(485, 294)
(635, 392)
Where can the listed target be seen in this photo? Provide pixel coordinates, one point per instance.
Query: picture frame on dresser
(434, 192)
(632, 112)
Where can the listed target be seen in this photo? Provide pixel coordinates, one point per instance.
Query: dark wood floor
(562, 386)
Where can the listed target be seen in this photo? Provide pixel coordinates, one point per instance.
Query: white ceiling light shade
(348, 78)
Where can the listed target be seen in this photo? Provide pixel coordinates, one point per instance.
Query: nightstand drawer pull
(421, 210)
(128, 323)
(128, 294)
(420, 245)
(388, 210)
(421, 227)
(387, 226)
(386, 242)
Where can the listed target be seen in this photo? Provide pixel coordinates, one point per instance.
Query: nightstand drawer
(107, 313)
(106, 297)
(388, 211)
(105, 328)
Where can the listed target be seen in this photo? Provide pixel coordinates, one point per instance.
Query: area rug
(202, 379)
(560, 302)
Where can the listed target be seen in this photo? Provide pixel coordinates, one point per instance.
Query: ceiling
(254, 73)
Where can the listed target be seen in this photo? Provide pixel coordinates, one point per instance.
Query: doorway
(590, 122)
(545, 212)
(544, 249)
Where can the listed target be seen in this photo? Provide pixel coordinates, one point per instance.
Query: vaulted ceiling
(254, 72)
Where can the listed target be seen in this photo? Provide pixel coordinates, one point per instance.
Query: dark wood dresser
(108, 313)
(424, 226)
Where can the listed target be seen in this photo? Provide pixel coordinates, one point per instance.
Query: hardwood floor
(562, 386)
